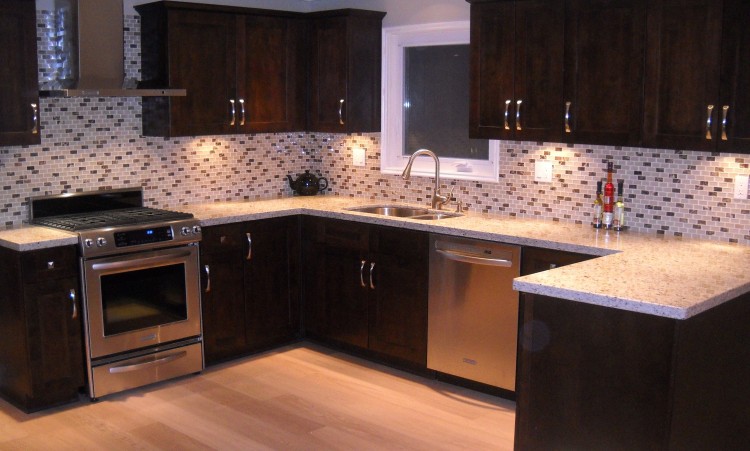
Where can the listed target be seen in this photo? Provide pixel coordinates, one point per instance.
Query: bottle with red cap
(609, 198)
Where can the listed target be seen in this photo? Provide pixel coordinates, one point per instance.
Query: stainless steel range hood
(89, 53)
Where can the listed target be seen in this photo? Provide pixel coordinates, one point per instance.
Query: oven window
(143, 298)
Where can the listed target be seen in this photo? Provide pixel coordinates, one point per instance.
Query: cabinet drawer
(350, 235)
(223, 237)
(53, 263)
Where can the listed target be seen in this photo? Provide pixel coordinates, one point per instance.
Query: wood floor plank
(301, 397)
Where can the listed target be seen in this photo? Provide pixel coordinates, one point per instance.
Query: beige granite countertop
(664, 276)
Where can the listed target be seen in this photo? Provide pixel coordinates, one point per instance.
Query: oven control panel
(101, 242)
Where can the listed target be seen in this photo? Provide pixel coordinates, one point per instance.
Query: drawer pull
(147, 362)
(518, 115)
(724, 112)
(208, 277)
(51, 265)
(72, 296)
(709, 120)
(35, 127)
(507, 112)
(372, 268)
(249, 246)
(362, 274)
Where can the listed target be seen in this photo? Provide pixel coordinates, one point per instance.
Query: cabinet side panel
(712, 393)
(592, 377)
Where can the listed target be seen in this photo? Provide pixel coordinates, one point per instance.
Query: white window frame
(392, 160)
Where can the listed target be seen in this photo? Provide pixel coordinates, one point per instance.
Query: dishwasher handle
(475, 259)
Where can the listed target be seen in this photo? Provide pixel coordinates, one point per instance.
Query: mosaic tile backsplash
(92, 143)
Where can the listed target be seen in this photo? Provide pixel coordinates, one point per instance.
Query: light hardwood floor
(301, 397)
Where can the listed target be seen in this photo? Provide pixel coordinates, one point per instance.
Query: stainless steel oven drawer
(147, 369)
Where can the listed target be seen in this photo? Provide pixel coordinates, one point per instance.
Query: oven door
(143, 299)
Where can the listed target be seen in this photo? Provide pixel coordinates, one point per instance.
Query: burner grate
(111, 218)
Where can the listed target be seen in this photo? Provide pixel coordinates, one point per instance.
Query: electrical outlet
(740, 186)
(543, 171)
(358, 156)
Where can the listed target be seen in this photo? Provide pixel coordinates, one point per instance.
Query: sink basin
(402, 211)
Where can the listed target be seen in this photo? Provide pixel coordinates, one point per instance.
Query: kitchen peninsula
(656, 326)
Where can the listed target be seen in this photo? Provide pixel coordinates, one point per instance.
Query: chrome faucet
(438, 200)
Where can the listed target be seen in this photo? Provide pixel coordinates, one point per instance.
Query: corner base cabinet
(41, 340)
(366, 289)
(593, 378)
(250, 298)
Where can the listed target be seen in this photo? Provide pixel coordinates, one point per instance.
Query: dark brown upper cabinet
(735, 78)
(345, 71)
(517, 70)
(604, 71)
(19, 108)
(696, 92)
(242, 69)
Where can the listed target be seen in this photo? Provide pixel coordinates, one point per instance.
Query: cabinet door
(398, 293)
(539, 70)
(682, 74)
(271, 281)
(222, 298)
(735, 88)
(517, 70)
(19, 108)
(55, 341)
(492, 61)
(270, 74)
(202, 59)
(328, 75)
(336, 276)
(604, 71)
(345, 71)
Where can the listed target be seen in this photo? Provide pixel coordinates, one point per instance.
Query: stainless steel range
(141, 284)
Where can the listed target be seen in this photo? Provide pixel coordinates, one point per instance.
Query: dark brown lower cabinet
(593, 378)
(366, 289)
(41, 342)
(537, 259)
(250, 290)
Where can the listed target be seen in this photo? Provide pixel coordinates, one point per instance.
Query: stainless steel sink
(403, 211)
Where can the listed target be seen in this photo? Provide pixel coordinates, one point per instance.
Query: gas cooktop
(110, 218)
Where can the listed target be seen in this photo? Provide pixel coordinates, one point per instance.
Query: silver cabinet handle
(35, 110)
(147, 362)
(372, 268)
(518, 115)
(249, 246)
(341, 111)
(234, 112)
(242, 111)
(507, 107)
(362, 275)
(208, 278)
(724, 113)
(467, 257)
(567, 116)
(709, 118)
(72, 296)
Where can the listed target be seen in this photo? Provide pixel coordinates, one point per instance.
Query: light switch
(359, 156)
(543, 171)
(740, 186)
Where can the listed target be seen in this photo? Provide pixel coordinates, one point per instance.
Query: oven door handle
(147, 362)
(142, 262)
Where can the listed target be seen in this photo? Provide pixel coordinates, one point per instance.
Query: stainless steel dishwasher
(473, 310)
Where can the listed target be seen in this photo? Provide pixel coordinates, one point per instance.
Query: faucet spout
(437, 199)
